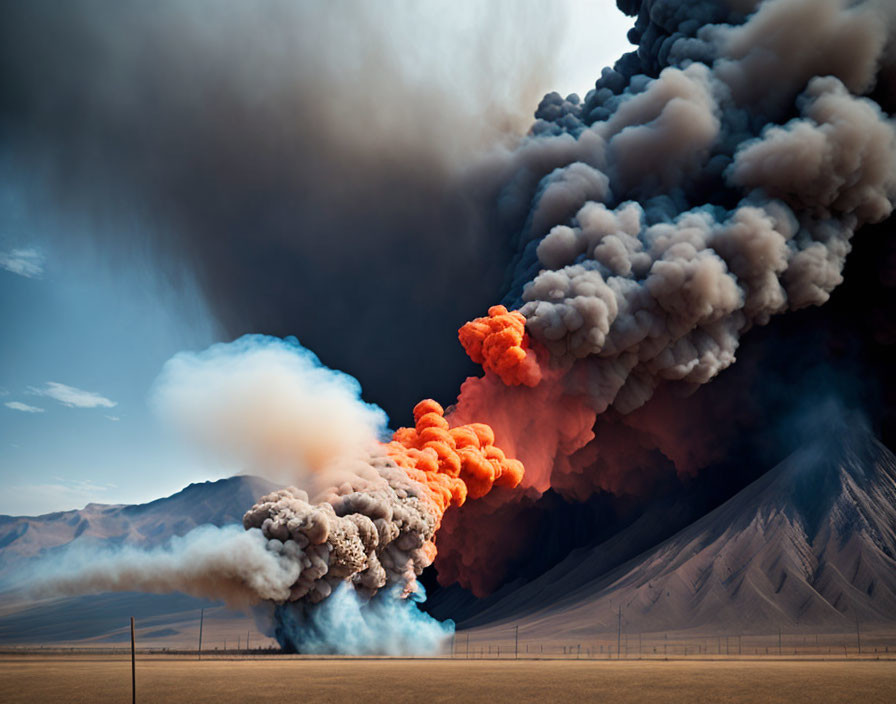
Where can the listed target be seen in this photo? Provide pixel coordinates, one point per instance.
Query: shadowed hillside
(811, 544)
(164, 619)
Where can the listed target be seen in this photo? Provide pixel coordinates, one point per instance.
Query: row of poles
(516, 639)
(516, 644)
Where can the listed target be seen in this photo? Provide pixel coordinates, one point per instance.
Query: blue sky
(85, 333)
(83, 339)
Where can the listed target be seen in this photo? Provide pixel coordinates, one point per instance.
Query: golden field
(98, 678)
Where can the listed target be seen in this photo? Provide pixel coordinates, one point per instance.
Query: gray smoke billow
(370, 530)
(337, 575)
(362, 541)
(712, 179)
(226, 563)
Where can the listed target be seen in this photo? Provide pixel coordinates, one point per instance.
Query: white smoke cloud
(226, 563)
(346, 624)
(269, 404)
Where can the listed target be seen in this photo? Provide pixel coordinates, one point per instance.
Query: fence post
(201, 619)
(133, 665)
(619, 634)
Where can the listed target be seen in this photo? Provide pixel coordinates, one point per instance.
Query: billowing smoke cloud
(226, 563)
(711, 180)
(344, 624)
(365, 538)
(270, 405)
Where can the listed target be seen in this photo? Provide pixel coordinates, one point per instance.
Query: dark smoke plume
(712, 180)
(304, 162)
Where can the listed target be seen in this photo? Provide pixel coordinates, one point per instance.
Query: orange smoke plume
(500, 344)
(451, 463)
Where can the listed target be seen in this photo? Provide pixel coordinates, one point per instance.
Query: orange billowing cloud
(500, 344)
(451, 463)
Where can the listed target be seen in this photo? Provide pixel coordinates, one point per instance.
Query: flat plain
(97, 678)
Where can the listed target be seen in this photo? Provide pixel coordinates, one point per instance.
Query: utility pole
(858, 635)
(201, 619)
(247, 641)
(619, 634)
(133, 665)
(779, 642)
(516, 642)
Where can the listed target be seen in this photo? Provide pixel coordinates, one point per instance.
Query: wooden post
(201, 619)
(619, 633)
(133, 665)
(858, 635)
(516, 642)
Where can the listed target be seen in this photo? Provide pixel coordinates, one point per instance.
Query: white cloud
(115, 418)
(73, 397)
(24, 407)
(24, 262)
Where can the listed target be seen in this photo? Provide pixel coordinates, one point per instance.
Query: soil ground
(106, 678)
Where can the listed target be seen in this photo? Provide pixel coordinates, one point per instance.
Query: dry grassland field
(36, 678)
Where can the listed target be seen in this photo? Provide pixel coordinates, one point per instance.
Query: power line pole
(133, 665)
(858, 635)
(201, 619)
(516, 642)
(619, 633)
